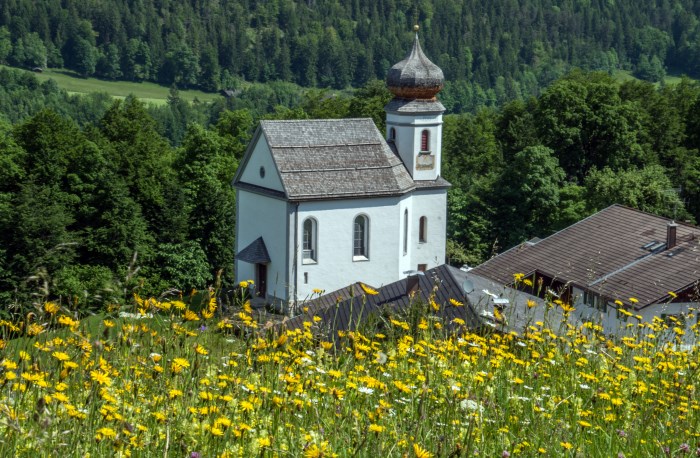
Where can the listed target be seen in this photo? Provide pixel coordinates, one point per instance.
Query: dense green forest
(99, 198)
(491, 51)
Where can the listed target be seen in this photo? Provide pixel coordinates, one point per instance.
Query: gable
(259, 158)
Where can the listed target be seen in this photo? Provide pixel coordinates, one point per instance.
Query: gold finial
(416, 28)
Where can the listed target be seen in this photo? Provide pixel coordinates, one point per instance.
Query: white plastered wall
(408, 136)
(433, 205)
(335, 267)
(263, 216)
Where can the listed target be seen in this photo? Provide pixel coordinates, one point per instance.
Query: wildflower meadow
(173, 378)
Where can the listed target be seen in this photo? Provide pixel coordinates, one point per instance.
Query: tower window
(308, 252)
(423, 229)
(392, 134)
(424, 140)
(360, 245)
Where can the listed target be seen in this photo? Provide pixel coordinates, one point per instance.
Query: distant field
(624, 75)
(147, 92)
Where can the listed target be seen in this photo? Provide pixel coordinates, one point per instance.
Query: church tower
(414, 115)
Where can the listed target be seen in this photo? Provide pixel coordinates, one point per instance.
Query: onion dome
(415, 77)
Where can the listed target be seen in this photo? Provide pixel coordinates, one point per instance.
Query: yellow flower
(51, 308)
(201, 350)
(584, 424)
(374, 428)
(101, 378)
(105, 433)
(59, 355)
(672, 294)
(566, 445)
(35, 329)
(179, 364)
(368, 290)
(531, 303)
(264, 442)
(191, 316)
(421, 452)
(634, 300)
(316, 451)
(244, 284)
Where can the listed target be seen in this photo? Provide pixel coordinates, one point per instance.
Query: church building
(328, 202)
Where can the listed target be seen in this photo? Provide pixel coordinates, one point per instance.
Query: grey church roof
(334, 158)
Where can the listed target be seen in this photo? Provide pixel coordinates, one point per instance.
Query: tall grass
(177, 380)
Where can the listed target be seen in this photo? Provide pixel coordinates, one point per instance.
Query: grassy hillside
(147, 92)
(171, 379)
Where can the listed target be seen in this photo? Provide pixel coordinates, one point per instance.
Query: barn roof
(618, 253)
(350, 306)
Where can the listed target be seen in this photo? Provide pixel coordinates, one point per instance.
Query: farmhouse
(323, 203)
(615, 267)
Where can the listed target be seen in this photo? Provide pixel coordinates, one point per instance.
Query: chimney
(412, 284)
(671, 235)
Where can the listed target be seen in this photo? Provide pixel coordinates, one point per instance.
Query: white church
(324, 203)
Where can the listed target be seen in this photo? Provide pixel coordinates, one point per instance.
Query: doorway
(261, 280)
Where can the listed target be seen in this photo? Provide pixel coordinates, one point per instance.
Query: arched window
(423, 229)
(360, 240)
(308, 252)
(424, 140)
(392, 134)
(405, 231)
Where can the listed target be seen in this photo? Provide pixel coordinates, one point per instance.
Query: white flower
(365, 390)
(468, 404)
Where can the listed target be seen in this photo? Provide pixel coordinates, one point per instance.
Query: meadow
(150, 93)
(179, 377)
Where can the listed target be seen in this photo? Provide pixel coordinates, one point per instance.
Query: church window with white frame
(360, 239)
(309, 233)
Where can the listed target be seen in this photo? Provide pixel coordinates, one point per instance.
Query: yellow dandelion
(368, 290)
(456, 303)
(201, 350)
(51, 308)
(531, 303)
(374, 428)
(100, 377)
(191, 316)
(59, 355)
(672, 294)
(633, 300)
(179, 364)
(105, 433)
(421, 452)
(264, 442)
(35, 329)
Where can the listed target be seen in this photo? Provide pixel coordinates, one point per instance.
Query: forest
(100, 198)
(491, 51)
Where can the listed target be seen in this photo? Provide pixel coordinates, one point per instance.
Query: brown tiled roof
(605, 253)
(348, 313)
(334, 158)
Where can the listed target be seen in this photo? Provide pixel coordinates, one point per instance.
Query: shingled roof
(349, 311)
(334, 158)
(609, 253)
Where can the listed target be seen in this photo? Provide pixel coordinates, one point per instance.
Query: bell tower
(414, 115)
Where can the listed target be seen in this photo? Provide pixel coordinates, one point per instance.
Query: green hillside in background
(491, 52)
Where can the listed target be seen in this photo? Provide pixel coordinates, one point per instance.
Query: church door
(261, 280)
